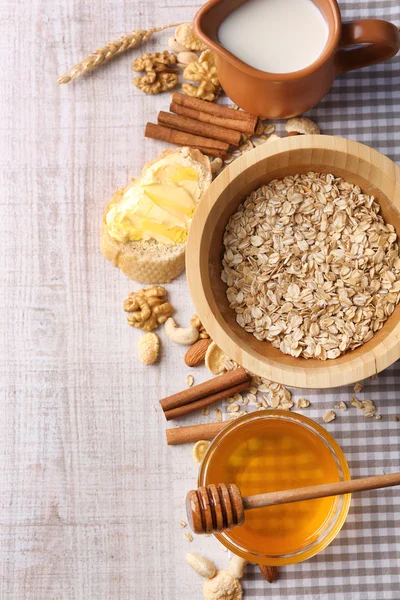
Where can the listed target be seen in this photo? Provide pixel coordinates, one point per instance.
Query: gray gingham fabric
(363, 562)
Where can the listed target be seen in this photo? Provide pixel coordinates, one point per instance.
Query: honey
(271, 454)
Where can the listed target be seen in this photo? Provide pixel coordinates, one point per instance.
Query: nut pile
(219, 585)
(311, 266)
(188, 52)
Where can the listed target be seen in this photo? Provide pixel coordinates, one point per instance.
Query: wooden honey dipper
(214, 508)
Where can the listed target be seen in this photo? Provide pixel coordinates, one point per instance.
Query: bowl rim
(342, 509)
(373, 360)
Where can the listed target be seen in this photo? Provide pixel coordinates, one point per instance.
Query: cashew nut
(195, 322)
(216, 165)
(181, 335)
(176, 46)
(236, 566)
(302, 125)
(202, 565)
(222, 587)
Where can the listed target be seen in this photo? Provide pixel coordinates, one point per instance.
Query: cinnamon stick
(175, 413)
(180, 138)
(207, 388)
(213, 109)
(194, 433)
(192, 126)
(210, 151)
(235, 124)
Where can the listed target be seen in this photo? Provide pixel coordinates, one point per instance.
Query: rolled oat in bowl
(311, 266)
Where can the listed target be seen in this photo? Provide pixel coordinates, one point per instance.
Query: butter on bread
(155, 207)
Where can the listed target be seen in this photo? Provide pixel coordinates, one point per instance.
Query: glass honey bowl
(268, 451)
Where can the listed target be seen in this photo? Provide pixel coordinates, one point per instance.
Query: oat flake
(311, 266)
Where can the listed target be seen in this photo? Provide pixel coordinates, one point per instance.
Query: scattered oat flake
(233, 408)
(218, 414)
(182, 523)
(286, 404)
(153, 408)
(369, 413)
(356, 403)
(251, 398)
(369, 408)
(236, 415)
(329, 416)
(188, 537)
(396, 419)
(358, 387)
(378, 417)
(263, 388)
(189, 380)
(367, 402)
(303, 403)
(341, 405)
(268, 129)
(274, 401)
(199, 450)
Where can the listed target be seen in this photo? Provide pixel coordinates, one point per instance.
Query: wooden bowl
(356, 163)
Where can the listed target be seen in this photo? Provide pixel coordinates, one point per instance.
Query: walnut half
(148, 308)
(159, 61)
(160, 75)
(203, 72)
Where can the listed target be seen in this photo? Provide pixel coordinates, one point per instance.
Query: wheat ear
(125, 42)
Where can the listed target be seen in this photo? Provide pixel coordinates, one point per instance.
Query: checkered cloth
(363, 562)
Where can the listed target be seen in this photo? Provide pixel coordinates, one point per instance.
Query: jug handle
(382, 39)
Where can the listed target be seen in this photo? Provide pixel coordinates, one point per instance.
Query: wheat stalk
(125, 42)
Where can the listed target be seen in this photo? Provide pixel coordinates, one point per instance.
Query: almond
(269, 573)
(196, 353)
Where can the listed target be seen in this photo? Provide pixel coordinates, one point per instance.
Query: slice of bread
(150, 261)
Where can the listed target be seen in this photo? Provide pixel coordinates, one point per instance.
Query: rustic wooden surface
(90, 495)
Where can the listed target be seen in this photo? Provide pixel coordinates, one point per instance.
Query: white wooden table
(90, 495)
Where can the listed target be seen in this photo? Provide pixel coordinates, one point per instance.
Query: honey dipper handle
(321, 491)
